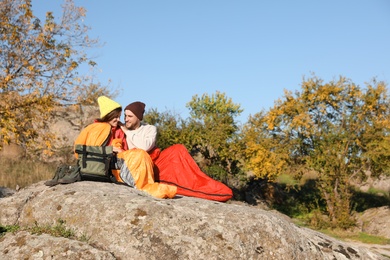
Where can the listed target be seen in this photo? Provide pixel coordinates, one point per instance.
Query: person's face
(114, 122)
(131, 121)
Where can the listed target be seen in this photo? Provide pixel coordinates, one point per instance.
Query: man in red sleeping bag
(173, 165)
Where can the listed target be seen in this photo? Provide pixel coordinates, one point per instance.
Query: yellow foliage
(295, 125)
(336, 129)
(264, 163)
(37, 57)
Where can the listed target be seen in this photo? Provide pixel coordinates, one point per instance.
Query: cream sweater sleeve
(144, 137)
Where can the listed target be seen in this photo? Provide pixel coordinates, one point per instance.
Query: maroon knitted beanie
(138, 109)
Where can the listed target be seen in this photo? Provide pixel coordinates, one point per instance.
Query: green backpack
(94, 162)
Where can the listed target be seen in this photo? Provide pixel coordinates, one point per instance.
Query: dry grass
(23, 173)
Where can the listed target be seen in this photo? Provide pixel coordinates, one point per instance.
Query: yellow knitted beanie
(106, 105)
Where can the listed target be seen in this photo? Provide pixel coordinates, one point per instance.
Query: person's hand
(117, 149)
(117, 145)
(117, 142)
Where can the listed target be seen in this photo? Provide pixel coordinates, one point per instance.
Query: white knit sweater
(144, 137)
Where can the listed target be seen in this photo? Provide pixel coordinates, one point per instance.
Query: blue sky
(163, 52)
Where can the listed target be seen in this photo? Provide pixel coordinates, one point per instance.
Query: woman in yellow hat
(110, 112)
(105, 131)
(135, 165)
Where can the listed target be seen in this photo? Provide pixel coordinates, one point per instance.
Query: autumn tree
(39, 68)
(335, 129)
(170, 127)
(265, 153)
(215, 129)
(211, 131)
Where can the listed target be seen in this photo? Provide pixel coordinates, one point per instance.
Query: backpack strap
(106, 162)
(105, 143)
(84, 162)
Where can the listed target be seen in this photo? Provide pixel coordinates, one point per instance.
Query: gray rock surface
(375, 221)
(6, 192)
(128, 224)
(24, 245)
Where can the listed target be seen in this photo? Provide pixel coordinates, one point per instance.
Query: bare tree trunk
(329, 203)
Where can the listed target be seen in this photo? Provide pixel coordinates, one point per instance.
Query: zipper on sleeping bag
(196, 191)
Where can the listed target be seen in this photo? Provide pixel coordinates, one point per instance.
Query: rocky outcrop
(6, 192)
(65, 124)
(380, 184)
(375, 221)
(24, 245)
(124, 223)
